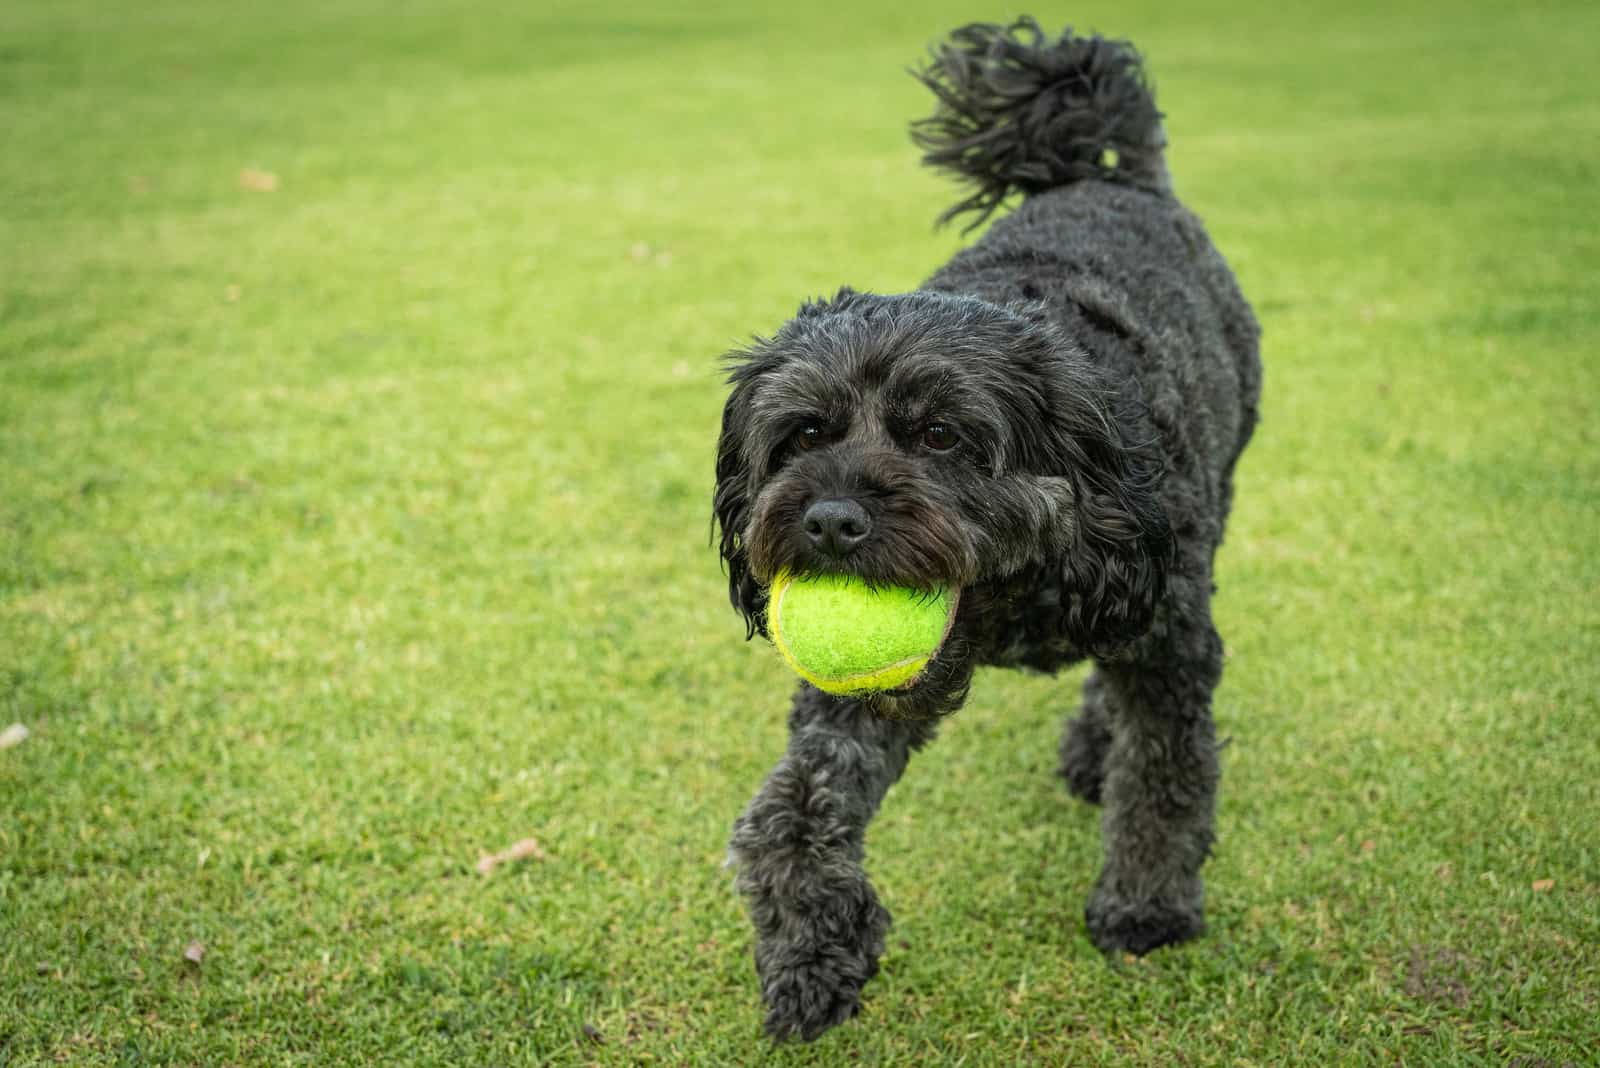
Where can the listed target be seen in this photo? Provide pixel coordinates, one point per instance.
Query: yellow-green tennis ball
(846, 637)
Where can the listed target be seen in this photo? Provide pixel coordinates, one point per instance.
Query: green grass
(356, 528)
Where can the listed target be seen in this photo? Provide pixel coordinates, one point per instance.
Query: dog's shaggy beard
(921, 539)
(973, 532)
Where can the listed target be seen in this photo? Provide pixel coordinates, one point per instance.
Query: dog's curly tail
(1019, 113)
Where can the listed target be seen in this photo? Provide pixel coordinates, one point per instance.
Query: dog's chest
(1021, 625)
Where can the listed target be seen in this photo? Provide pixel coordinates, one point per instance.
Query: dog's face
(924, 440)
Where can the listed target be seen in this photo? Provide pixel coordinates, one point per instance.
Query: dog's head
(927, 439)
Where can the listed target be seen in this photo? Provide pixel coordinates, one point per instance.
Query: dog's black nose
(837, 525)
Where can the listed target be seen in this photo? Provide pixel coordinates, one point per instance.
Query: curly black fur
(1026, 115)
(1050, 424)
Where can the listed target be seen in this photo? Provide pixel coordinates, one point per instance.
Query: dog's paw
(803, 1002)
(1119, 925)
(1083, 759)
(811, 980)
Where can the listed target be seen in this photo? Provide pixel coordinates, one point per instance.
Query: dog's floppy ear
(1120, 546)
(731, 500)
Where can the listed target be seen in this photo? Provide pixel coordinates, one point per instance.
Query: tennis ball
(846, 637)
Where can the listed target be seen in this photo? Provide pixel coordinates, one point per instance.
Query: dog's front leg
(798, 849)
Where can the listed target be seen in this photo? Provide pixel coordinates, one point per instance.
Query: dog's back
(1099, 241)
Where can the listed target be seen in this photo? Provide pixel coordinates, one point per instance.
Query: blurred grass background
(358, 390)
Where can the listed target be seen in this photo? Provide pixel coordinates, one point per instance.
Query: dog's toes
(814, 963)
(803, 1003)
(1138, 927)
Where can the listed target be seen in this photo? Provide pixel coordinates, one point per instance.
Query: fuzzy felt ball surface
(845, 637)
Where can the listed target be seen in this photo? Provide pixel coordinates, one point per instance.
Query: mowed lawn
(358, 392)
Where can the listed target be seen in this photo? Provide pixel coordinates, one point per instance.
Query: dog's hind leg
(798, 848)
(1085, 742)
(1160, 781)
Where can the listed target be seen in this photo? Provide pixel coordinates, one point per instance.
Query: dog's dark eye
(940, 437)
(809, 436)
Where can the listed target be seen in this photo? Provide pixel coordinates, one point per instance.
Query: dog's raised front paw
(813, 983)
(805, 1001)
(1119, 925)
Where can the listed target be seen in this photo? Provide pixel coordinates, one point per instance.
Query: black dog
(1050, 424)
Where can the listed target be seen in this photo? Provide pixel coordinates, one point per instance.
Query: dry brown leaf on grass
(194, 952)
(526, 848)
(1541, 885)
(258, 181)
